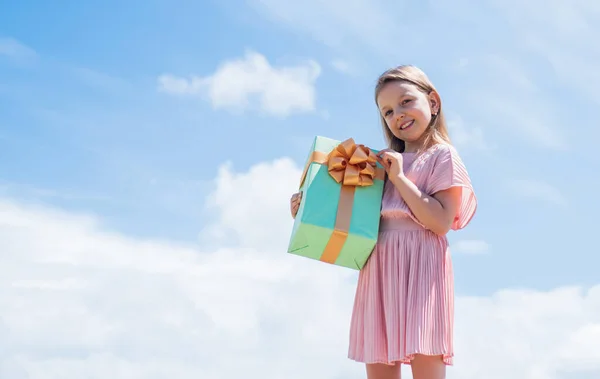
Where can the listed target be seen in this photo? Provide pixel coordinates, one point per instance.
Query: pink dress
(404, 302)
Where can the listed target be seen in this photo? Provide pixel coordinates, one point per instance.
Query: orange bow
(349, 164)
(352, 164)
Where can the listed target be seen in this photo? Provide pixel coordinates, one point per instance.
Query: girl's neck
(418, 148)
(414, 148)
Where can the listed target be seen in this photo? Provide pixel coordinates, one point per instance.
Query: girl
(404, 303)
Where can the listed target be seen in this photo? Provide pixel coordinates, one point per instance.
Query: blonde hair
(437, 131)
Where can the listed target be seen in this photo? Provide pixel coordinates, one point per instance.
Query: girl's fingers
(384, 160)
(387, 158)
(295, 203)
(383, 152)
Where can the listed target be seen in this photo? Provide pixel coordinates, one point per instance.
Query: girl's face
(407, 111)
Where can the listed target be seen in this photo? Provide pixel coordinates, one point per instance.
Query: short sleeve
(449, 171)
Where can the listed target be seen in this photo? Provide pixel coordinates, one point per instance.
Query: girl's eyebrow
(398, 98)
(385, 107)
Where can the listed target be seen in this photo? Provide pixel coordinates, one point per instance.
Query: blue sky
(87, 126)
(84, 127)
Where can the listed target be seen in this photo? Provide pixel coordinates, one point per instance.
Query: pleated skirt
(404, 302)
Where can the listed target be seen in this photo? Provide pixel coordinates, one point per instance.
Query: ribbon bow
(352, 164)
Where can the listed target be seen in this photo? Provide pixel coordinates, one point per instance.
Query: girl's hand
(392, 162)
(295, 203)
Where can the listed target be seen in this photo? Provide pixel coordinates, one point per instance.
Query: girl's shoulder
(439, 163)
(445, 169)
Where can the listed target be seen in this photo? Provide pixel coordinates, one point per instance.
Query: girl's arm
(435, 212)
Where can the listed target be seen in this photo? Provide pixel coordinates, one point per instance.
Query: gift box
(338, 218)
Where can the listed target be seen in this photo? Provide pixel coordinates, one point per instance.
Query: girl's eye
(387, 113)
(406, 101)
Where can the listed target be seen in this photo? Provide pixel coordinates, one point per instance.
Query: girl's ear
(434, 102)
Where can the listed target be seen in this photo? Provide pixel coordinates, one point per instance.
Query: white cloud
(537, 190)
(252, 82)
(253, 207)
(471, 246)
(82, 301)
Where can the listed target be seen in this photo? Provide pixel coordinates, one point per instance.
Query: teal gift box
(338, 218)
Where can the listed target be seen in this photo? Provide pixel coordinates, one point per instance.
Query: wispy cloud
(553, 42)
(22, 190)
(506, 98)
(99, 80)
(537, 190)
(467, 137)
(343, 66)
(503, 85)
(474, 247)
(335, 23)
(70, 73)
(16, 50)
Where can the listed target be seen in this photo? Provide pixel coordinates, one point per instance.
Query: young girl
(404, 304)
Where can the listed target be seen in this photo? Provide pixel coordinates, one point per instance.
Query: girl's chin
(411, 137)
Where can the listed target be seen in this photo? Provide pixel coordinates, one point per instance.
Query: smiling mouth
(407, 125)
